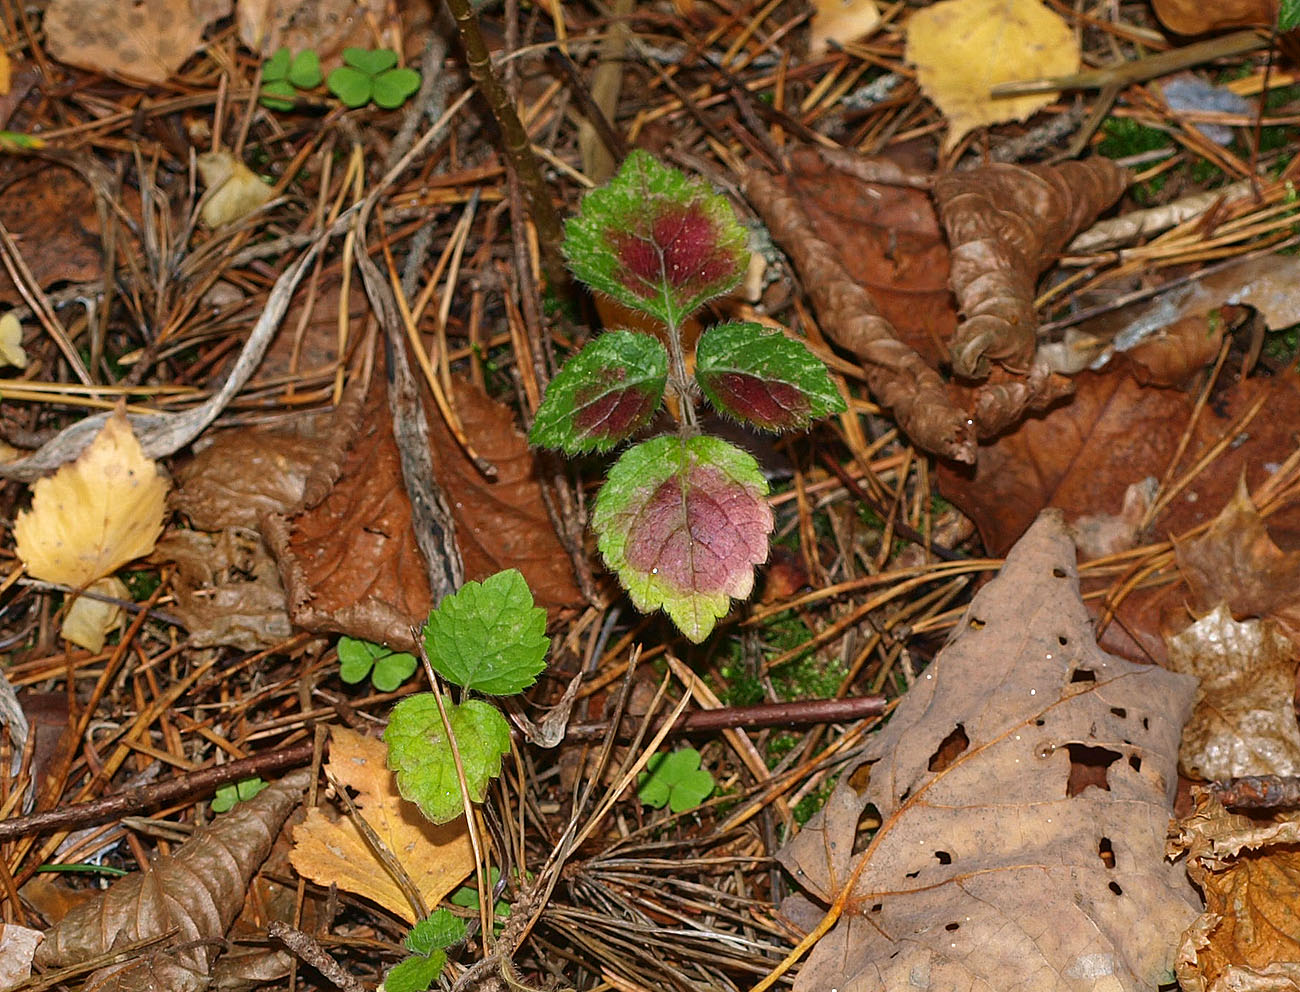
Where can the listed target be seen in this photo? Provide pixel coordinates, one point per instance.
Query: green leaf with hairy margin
(764, 378)
(489, 636)
(439, 929)
(420, 755)
(416, 973)
(683, 522)
(604, 393)
(656, 240)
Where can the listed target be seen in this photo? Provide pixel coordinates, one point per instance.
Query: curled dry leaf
(233, 190)
(1248, 938)
(841, 22)
(88, 621)
(198, 890)
(988, 869)
(1192, 17)
(437, 857)
(1244, 721)
(899, 378)
(1006, 224)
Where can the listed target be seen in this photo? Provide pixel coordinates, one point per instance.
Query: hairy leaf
(603, 394)
(420, 754)
(439, 929)
(683, 522)
(489, 636)
(764, 378)
(416, 973)
(656, 240)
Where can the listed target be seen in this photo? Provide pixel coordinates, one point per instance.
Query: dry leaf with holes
(234, 190)
(324, 26)
(1023, 788)
(1248, 938)
(841, 22)
(94, 514)
(11, 342)
(147, 40)
(963, 48)
(437, 858)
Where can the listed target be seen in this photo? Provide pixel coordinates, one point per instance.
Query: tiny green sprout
(387, 668)
(284, 75)
(489, 638)
(467, 896)
(1288, 15)
(675, 780)
(232, 793)
(368, 75)
(428, 942)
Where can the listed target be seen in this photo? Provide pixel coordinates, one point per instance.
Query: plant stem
(678, 376)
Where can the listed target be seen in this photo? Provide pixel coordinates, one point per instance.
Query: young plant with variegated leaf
(682, 518)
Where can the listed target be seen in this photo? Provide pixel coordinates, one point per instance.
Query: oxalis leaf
(420, 755)
(683, 522)
(656, 240)
(603, 394)
(764, 378)
(489, 636)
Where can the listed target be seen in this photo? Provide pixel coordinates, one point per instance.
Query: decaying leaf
(11, 342)
(88, 621)
(1248, 938)
(198, 889)
(1244, 722)
(437, 858)
(963, 48)
(323, 26)
(992, 868)
(146, 40)
(1192, 17)
(1006, 224)
(234, 190)
(17, 945)
(95, 514)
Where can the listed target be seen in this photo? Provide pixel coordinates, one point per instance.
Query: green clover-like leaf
(420, 755)
(278, 95)
(764, 378)
(350, 85)
(387, 668)
(370, 61)
(604, 393)
(489, 636)
(675, 780)
(277, 66)
(304, 71)
(683, 522)
(232, 793)
(390, 89)
(656, 240)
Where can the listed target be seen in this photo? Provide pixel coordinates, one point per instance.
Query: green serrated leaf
(350, 85)
(416, 973)
(304, 72)
(421, 758)
(764, 378)
(439, 929)
(683, 522)
(489, 636)
(656, 240)
(277, 66)
(370, 61)
(604, 394)
(392, 88)
(675, 780)
(1288, 15)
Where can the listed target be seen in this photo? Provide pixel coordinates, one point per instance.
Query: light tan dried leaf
(1244, 722)
(963, 48)
(199, 889)
(17, 945)
(841, 22)
(11, 342)
(88, 621)
(437, 858)
(1023, 787)
(145, 40)
(1248, 938)
(234, 190)
(324, 26)
(95, 514)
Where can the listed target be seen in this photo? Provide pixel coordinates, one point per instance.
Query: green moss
(810, 804)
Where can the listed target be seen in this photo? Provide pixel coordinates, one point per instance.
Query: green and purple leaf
(764, 378)
(656, 240)
(604, 393)
(683, 522)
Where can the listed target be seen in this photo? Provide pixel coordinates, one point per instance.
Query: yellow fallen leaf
(94, 514)
(841, 22)
(437, 858)
(11, 340)
(235, 190)
(963, 48)
(88, 621)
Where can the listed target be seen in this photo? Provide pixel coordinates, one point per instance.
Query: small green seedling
(284, 75)
(682, 518)
(368, 75)
(489, 638)
(1288, 15)
(230, 794)
(428, 942)
(675, 780)
(387, 668)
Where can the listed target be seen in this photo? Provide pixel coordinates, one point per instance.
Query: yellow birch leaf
(963, 48)
(11, 341)
(841, 22)
(88, 621)
(437, 858)
(94, 514)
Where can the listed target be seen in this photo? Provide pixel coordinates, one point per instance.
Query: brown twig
(304, 945)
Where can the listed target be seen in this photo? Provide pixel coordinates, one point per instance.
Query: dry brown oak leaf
(1006, 224)
(1248, 938)
(992, 867)
(198, 890)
